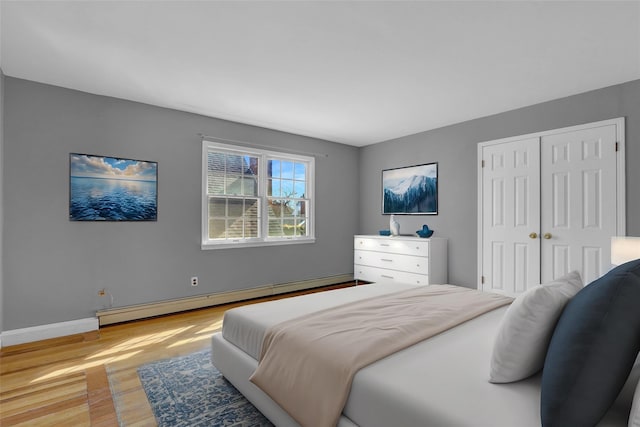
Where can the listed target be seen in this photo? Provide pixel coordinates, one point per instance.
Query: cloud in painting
(88, 166)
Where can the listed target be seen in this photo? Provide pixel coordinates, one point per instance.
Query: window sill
(256, 244)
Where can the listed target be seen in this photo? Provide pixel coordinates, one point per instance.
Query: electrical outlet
(194, 281)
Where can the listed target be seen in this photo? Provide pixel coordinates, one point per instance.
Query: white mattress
(442, 381)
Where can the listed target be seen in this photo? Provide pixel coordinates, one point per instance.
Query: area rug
(190, 391)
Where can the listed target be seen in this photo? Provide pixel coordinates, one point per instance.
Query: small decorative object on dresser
(394, 226)
(425, 232)
(400, 259)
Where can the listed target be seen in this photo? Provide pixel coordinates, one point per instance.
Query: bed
(441, 381)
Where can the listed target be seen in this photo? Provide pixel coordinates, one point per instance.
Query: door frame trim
(621, 192)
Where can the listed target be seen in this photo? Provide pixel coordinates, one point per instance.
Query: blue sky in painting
(88, 166)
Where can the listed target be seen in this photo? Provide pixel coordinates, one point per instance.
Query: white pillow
(526, 328)
(634, 416)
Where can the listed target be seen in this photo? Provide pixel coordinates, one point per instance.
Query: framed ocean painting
(411, 190)
(103, 188)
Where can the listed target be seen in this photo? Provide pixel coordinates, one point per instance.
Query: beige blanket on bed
(307, 364)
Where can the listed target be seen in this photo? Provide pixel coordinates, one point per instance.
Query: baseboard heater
(142, 311)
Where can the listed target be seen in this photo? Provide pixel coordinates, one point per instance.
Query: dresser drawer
(383, 275)
(400, 259)
(409, 263)
(393, 245)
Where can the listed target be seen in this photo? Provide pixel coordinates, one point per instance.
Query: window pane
(287, 188)
(250, 181)
(251, 209)
(217, 207)
(233, 184)
(251, 218)
(235, 228)
(300, 208)
(275, 228)
(288, 227)
(215, 161)
(274, 168)
(251, 228)
(215, 184)
(250, 186)
(274, 188)
(299, 189)
(301, 227)
(251, 165)
(235, 208)
(275, 208)
(217, 229)
(300, 172)
(287, 170)
(235, 164)
(215, 173)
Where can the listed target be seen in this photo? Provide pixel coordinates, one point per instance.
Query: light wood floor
(65, 381)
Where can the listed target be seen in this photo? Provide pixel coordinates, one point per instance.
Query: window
(255, 197)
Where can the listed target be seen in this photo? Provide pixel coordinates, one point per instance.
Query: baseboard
(142, 311)
(43, 332)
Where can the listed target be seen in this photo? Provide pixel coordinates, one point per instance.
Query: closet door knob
(547, 236)
(533, 235)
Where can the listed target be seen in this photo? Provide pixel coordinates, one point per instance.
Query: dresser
(400, 259)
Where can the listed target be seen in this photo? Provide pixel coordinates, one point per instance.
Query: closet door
(548, 204)
(578, 180)
(511, 216)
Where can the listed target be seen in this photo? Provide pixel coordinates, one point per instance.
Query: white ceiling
(354, 72)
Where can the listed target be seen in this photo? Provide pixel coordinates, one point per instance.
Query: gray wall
(455, 149)
(54, 267)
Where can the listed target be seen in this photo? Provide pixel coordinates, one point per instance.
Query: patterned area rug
(190, 391)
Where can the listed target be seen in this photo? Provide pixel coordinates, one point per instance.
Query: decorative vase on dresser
(400, 259)
(394, 226)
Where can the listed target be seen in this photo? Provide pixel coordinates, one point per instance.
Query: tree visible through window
(254, 197)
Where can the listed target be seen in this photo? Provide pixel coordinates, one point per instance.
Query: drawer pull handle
(386, 277)
(386, 259)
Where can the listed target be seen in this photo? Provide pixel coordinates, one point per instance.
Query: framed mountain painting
(411, 190)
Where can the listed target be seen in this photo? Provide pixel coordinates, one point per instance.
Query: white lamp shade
(624, 249)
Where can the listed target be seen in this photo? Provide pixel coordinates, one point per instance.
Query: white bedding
(245, 326)
(442, 381)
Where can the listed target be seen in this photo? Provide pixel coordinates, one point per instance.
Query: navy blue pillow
(592, 350)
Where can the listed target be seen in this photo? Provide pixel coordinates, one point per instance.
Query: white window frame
(264, 240)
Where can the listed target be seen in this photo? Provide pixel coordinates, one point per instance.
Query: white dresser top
(400, 237)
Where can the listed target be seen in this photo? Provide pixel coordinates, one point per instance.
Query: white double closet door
(548, 204)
